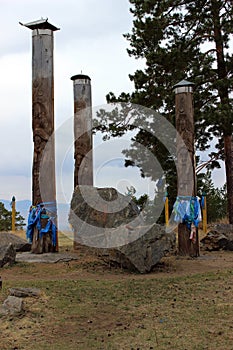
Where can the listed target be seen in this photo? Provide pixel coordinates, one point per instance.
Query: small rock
(7, 255)
(219, 237)
(25, 292)
(12, 305)
(142, 326)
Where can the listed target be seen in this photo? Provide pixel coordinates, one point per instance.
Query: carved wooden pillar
(43, 172)
(186, 178)
(83, 168)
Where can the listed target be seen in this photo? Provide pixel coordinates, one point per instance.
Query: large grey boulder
(105, 207)
(219, 237)
(96, 213)
(20, 244)
(7, 255)
(144, 253)
(111, 224)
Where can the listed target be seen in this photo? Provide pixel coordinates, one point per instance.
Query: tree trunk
(228, 148)
(224, 98)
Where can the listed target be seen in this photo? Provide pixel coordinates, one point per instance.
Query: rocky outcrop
(7, 255)
(102, 207)
(112, 225)
(143, 254)
(20, 245)
(219, 237)
(97, 212)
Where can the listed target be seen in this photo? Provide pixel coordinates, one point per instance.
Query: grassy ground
(184, 304)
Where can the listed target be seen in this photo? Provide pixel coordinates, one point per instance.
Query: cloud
(108, 165)
(218, 175)
(89, 40)
(121, 178)
(14, 185)
(78, 20)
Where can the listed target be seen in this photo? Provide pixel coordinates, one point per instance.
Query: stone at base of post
(187, 246)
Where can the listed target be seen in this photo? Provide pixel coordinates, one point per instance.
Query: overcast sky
(90, 40)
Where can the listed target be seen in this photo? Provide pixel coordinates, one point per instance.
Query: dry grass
(185, 304)
(174, 313)
(86, 305)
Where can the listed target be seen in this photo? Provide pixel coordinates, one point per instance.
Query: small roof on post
(183, 86)
(80, 76)
(40, 24)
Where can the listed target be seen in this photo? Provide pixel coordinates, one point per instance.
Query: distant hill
(24, 205)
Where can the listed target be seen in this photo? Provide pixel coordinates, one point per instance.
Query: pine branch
(212, 98)
(213, 158)
(210, 50)
(224, 5)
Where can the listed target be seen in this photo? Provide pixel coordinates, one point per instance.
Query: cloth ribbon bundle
(36, 213)
(187, 210)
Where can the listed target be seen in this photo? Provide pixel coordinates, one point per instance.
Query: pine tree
(186, 40)
(6, 219)
(216, 198)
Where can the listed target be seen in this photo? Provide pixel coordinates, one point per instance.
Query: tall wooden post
(43, 172)
(83, 168)
(186, 177)
(13, 213)
(166, 207)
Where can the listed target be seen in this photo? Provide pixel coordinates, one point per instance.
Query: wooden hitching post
(43, 114)
(13, 213)
(83, 168)
(204, 214)
(186, 177)
(166, 207)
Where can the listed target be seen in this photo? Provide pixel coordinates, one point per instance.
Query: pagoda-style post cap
(13, 199)
(40, 24)
(81, 79)
(183, 86)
